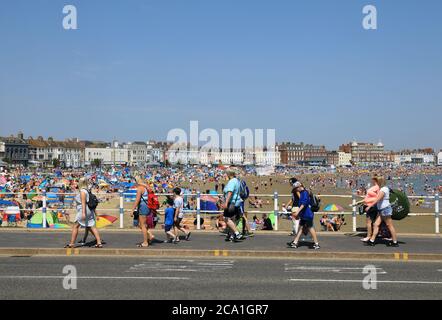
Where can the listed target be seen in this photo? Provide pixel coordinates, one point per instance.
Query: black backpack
(315, 202)
(93, 201)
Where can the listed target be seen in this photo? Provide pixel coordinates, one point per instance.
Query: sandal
(140, 245)
(69, 246)
(98, 246)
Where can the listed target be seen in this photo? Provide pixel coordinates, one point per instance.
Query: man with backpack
(308, 203)
(232, 206)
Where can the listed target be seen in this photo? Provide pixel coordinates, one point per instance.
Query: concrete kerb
(264, 233)
(82, 252)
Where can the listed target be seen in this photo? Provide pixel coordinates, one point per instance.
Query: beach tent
(36, 221)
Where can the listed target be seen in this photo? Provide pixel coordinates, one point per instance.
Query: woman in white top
(385, 212)
(85, 217)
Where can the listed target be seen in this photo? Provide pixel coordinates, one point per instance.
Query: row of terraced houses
(73, 153)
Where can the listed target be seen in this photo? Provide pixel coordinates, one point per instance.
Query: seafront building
(14, 149)
(415, 157)
(44, 153)
(365, 154)
(113, 154)
(73, 153)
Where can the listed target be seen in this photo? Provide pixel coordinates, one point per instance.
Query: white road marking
(179, 265)
(96, 278)
(361, 281)
(327, 269)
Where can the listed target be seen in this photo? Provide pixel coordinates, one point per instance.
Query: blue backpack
(244, 191)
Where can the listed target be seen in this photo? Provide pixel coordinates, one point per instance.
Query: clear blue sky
(135, 69)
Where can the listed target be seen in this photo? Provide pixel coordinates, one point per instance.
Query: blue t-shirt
(304, 199)
(233, 186)
(169, 216)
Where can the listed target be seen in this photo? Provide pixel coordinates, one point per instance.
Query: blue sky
(136, 69)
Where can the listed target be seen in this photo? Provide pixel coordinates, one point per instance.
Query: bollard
(121, 210)
(198, 210)
(437, 212)
(353, 196)
(276, 212)
(44, 209)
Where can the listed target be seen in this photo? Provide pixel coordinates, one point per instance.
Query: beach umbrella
(400, 204)
(105, 220)
(333, 208)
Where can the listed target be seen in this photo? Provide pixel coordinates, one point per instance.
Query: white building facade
(414, 159)
(344, 159)
(107, 156)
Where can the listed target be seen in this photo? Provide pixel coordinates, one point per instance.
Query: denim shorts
(386, 212)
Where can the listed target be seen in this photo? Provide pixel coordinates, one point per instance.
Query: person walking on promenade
(169, 215)
(141, 209)
(178, 204)
(294, 205)
(232, 206)
(306, 215)
(385, 213)
(85, 216)
(370, 201)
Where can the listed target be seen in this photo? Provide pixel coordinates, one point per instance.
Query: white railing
(276, 197)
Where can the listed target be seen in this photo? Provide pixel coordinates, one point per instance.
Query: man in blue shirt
(232, 206)
(305, 214)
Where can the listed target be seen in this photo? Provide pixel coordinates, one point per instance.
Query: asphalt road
(215, 241)
(185, 279)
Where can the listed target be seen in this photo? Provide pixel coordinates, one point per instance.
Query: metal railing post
(276, 212)
(121, 210)
(353, 196)
(198, 210)
(436, 212)
(44, 209)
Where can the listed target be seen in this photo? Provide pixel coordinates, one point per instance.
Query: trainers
(188, 236)
(293, 245)
(392, 244)
(82, 242)
(237, 238)
(229, 238)
(370, 243)
(316, 247)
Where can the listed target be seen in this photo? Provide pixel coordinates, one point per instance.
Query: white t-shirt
(385, 202)
(178, 203)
